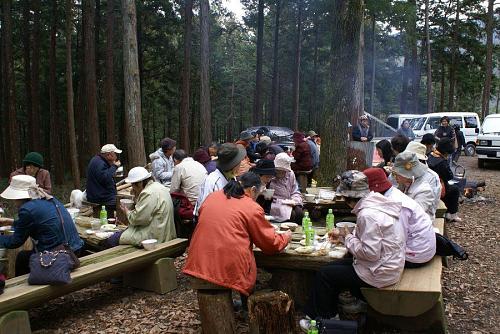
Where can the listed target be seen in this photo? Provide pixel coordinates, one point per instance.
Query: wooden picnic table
(92, 241)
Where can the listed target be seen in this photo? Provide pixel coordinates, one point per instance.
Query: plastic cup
(95, 224)
(128, 203)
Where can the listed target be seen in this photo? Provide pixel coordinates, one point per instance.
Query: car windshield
(418, 123)
(491, 125)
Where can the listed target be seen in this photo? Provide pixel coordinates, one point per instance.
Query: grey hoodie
(378, 242)
(162, 167)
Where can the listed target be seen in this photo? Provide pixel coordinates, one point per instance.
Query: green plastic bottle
(330, 220)
(103, 215)
(310, 237)
(313, 329)
(306, 222)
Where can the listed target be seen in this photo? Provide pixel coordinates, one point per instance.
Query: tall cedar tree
(186, 77)
(275, 81)
(485, 103)
(75, 170)
(109, 83)
(27, 70)
(135, 138)
(205, 108)
(36, 133)
(344, 104)
(454, 59)
(429, 60)
(257, 102)
(296, 78)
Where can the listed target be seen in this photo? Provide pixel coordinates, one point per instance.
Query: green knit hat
(33, 158)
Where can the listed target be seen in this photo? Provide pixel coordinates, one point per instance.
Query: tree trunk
(372, 83)
(10, 84)
(205, 108)
(313, 106)
(275, 81)
(230, 121)
(414, 63)
(135, 139)
(186, 77)
(344, 100)
(443, 83)
(27, 70)
(485, 102)
(257, 103)
(92, 122)
(296, 79)
(55, 131)
(75, 170)
(454, 55)
(35, 79)
(404, 86)
(109, 83)
(429, 60)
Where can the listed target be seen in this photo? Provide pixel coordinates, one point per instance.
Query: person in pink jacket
(230, 223)
(377, 246)
(420, 235)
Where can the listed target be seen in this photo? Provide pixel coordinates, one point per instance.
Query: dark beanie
(446, 146)
(167, 143)
(201, 155)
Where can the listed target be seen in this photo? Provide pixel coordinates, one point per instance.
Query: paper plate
(304, 249)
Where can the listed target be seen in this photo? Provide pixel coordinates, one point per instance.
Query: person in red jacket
(229, 223)
(301, 154)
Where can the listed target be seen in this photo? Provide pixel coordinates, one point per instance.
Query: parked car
(278, 134)
(468, 121)
(488, 140)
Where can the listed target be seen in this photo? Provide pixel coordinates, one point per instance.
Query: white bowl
(290, 226)
(309, 197)
(149, 244)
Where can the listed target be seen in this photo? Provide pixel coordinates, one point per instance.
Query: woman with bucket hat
(153, 214)
(41, 217)
(229, 160)
(377, 246)
(32, 165)
(410, 174)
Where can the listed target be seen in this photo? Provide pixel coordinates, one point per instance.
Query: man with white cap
(41, 217)
(153, 214)
(101, 188)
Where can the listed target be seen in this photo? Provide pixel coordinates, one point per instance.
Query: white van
(395, 120)
(468, 121)
(488, 147)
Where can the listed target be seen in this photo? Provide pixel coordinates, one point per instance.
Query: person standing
(303, 159)
(405, 130)
(445, 130)
(162, 163)
(32, 166)
(101, 188)
(311, 140)
(362, 132)
(460, 142)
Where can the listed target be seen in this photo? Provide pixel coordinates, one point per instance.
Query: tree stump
(216, 307)
(271, 313)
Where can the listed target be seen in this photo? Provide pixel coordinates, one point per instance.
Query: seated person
(162, 163)
(399, 144)
(420, 235)
(247, 140)
(101, 187)
(153, 215)
(188, 176)
(429, 141)
(287, 200)
(32, 165)
(430, 176)
(411, 176)
(438, 161)
(362, 132)
(229, 223)
(203, 158)
(377, 246)
(41, 217)
(266, 171)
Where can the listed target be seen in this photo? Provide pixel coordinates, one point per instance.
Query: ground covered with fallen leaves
(470, 288)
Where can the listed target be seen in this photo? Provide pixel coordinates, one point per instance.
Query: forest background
(202, 74)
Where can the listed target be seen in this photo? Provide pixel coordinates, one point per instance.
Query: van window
(393, 121)
(470, 121)
(433, 122)
(457, 120)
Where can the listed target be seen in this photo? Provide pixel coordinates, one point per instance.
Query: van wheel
(480, 163)
(470, 150)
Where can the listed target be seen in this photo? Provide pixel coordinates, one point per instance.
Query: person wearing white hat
(41, 217)
(287, 200)
(153, 214)
(101, 188)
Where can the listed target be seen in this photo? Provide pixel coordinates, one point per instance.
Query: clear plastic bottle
(330, 220)
(103, 215)
(313, 329)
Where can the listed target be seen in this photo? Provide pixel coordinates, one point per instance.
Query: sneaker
(453, 217)
(305, 324)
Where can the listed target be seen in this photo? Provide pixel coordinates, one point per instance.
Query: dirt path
(470, 288)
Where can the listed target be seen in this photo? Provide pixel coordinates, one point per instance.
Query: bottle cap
(330, 210)
(313, 322)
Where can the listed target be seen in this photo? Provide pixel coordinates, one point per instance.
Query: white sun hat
(283, 161)
(137, 174)
(108, 148)
(19, 187)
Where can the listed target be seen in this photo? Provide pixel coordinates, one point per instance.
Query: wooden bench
(149, 270)
(415, 302)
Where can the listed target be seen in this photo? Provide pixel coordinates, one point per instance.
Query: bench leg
(216, 311)
(15, 322)
(159, 277)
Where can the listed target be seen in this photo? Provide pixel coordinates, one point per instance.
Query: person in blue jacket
(41, 217)
(101, 187)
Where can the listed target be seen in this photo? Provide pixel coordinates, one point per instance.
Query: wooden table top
(91, 240)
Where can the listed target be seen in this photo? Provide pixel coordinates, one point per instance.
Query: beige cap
(417, 148)
(108, 148)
